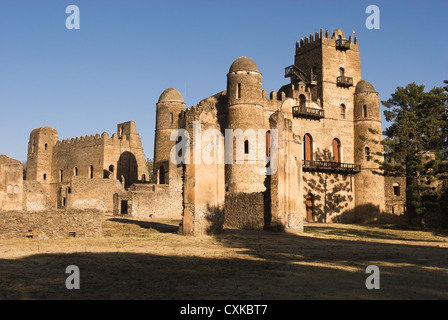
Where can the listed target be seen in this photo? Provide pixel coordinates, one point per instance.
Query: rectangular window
(238, 91)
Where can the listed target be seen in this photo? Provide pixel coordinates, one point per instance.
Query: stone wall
(50, 224)
(35, 196)
(11, 184)
(245, 210)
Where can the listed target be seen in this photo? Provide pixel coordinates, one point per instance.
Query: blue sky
(114, 68)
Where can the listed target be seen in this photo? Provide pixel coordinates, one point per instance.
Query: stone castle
(324, 121)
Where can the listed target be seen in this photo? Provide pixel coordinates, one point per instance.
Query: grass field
(137, 259)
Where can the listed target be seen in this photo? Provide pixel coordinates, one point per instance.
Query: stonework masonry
(312, 131)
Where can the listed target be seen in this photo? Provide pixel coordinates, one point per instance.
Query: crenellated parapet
(337, 40)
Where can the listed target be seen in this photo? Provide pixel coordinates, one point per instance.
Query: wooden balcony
(309, 113)
(330, 167)
(342, 44)
(344, 81)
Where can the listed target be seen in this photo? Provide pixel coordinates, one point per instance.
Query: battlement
(319, 38)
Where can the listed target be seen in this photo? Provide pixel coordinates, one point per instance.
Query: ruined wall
(50, 224)
(35, 196)
(11, 184)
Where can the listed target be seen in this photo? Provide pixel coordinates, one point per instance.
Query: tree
(416, 145)
(150, 166)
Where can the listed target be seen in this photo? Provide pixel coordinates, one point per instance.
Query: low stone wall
(245, 210)
(50, 224)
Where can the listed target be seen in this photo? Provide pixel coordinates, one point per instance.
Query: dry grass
(139, 259)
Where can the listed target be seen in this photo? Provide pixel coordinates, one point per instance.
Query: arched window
(45, 176)
(396, 187)
(336, 150)
(161, 175)
(302, 101)
(342, 111)
(341, 72)
(246, 146)
(143, 178)
(308, 147)
(367, 153)
(46, 146)
(364, 111)
(111, 168)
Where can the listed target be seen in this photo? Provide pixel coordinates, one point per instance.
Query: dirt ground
(147, 259)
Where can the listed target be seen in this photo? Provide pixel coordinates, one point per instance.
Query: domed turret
(168, 112)
(243, 64)
(364, 86)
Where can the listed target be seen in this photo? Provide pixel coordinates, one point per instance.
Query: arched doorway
(309, 204)
(308, 147)
(336, 150)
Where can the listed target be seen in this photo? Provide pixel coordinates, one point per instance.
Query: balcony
(330, 167)
(309, 113)
(342, 44)
(344, 81)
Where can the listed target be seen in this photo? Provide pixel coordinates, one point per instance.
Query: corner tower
(169, 109)
(369, 186)
(245, 115)
(40, 154)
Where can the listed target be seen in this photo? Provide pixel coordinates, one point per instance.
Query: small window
(246, 146)
(364, 111)
(91, 172)
(367, 153)
(171, 117)
(396, 187)
(308, 147)
(238, 91)
(75, 171)
(45, 176)
(46, 146)
(342, 111)
(61, 175)
(111, 168)
(393, 210)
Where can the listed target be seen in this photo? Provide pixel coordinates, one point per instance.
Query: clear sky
(114, 68)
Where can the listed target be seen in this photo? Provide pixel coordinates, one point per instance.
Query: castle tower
(330, 66)
(245, 164)
(169, 109)
(369, 187)
(245, 115)
(40, 154)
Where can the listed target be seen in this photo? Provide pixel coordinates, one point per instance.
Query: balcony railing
(332, 167)
(344, 81)
(342, 44)
(304, 112)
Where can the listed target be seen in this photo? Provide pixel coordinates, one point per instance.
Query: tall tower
(168, 112)
(331, 67)
(40, 154)
(245, 115)
(369, 187)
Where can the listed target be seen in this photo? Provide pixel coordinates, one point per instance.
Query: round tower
(369, 187)
(40, 154)
(169, 109)
(245, 118)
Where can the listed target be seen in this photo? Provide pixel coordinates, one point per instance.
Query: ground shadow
(161, 227)
(257, 265)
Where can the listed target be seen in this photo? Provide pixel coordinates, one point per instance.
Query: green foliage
(416, 143)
